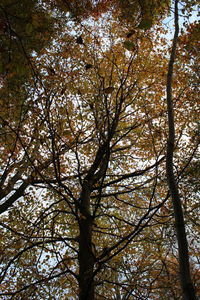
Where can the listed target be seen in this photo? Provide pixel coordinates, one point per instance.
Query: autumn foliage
(85, 205)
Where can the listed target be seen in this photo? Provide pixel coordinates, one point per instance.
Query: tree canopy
(99, 160)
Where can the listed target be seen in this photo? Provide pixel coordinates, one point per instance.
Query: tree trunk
(86, 255)
(184, 266)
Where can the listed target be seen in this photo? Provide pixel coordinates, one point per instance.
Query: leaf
(29, 28)
(79, 40)
(130, 34)
(51, 71)
(130, 46)
(145, 24)
(108, 90)
(88, 66)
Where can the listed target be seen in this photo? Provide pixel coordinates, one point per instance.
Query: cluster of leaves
(146, 12)
(26, 27)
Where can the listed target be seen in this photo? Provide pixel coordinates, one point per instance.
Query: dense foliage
(85, 203)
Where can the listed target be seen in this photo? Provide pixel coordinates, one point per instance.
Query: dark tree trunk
(86, 256)
(184, 266)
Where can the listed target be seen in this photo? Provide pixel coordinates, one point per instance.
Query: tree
(186, 281)
(85, 202)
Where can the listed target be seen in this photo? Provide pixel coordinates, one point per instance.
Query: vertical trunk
(184, 266)
(86, 256)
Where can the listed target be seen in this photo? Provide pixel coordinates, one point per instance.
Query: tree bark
(86, 255)
(184, 265)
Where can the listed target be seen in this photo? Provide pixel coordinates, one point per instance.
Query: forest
(99, 150)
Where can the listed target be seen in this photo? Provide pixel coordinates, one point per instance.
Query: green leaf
(145, 24)
(29, 28)
(130, 46)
